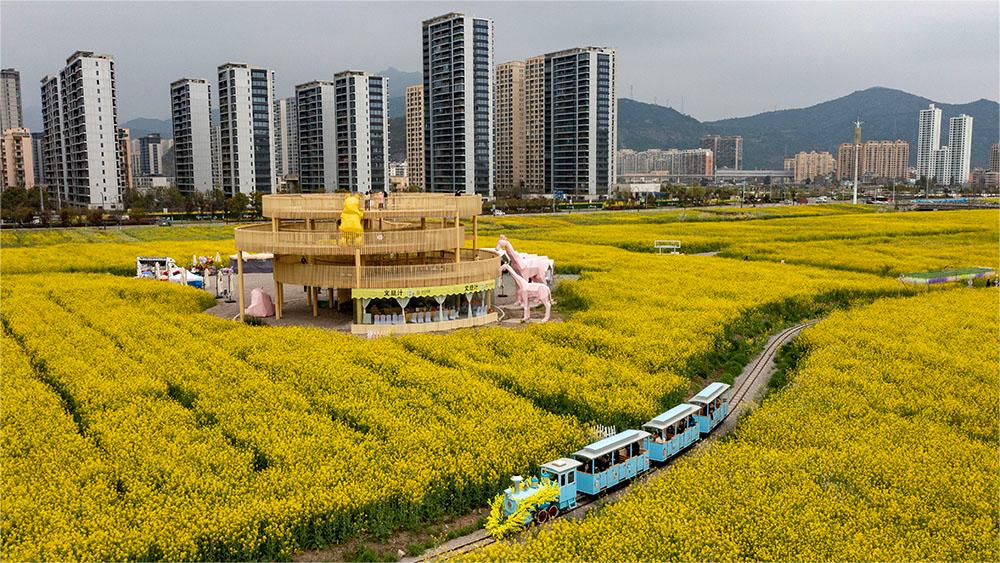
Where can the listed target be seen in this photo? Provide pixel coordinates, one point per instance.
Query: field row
(879, 243)
(882, 448)
(201, 439)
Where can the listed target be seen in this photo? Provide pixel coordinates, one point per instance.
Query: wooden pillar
(274, 224)
(330, 295)
(279, 296)
(357, 268)
(314, 292)
(461, 238)
(475, 235)
(423, 222)
(358, 313)
(239, 270)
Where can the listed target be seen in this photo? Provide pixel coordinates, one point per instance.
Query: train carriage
(672, 432)
(562, 472)
(610, 461)
(712, 407)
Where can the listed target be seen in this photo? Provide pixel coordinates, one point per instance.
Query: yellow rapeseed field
(882, 448)
(135, 427)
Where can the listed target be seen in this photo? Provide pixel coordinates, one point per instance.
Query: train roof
(678, 413)
(561, 465)
(710, 393)
(611, 443)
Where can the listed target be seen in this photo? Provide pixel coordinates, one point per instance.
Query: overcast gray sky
(722, 59)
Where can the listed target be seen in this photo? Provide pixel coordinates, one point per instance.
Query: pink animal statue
(530, 291)
(260, 304)
(533, 270)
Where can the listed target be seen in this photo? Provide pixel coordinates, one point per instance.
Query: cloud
(722, 59)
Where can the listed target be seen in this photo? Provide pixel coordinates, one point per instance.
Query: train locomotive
(607, 463)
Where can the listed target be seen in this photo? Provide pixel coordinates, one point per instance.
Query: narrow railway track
(744, 385)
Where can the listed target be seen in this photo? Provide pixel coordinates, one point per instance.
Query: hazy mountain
(142, 126)
(768, 137)
(399, 80)
(646, 126)
(397, 107)
(397, 139)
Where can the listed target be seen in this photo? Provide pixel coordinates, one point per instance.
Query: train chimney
(515, 483)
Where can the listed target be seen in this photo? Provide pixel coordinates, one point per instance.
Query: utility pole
(857, 151)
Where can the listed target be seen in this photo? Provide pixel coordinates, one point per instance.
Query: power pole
(857, 151)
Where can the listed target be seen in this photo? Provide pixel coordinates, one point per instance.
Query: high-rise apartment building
(16, 160)
(877, 160)
(928, 140)
(286, 138)
(726, 149)
(53, 154)
(580, 122)
(362, 106)
(508, 129)
(216, 157)
(124, 159)
(317, 115)
(809, 165)
(534, 125)
(942, 165)
(994, 160)
(81, 122)
(415, 136)
(960, 146)
(37, 144)
(191, 118)
(458, 104)
(246, 129)
(10, 100)
(147, 154)
(343, 133)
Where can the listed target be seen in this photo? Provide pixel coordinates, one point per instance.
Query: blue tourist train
(616, 460)
(672, 432)
(712, 407)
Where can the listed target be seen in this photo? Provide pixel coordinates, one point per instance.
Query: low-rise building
(18, 163)
(146, 183)
(877, 160)
(809, 166)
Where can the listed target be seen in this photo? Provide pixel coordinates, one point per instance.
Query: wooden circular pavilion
(409, 271)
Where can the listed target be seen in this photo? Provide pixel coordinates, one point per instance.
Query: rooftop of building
(240, 65)
(444, 17)
(87, 55)
(313, 84)
(185, 80)
(576, 50)
(345, 73)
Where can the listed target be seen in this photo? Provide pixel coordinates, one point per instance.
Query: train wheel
(553, 511)
(541, 516)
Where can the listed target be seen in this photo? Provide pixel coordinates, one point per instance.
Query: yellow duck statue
(350, 220)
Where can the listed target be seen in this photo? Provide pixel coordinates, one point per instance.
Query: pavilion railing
(299, 206)
(475, 266)
(330, 242)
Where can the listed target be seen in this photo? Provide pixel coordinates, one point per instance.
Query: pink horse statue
(533, 270)
(530, 291)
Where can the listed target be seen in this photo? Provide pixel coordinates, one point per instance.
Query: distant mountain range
(767, 137)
